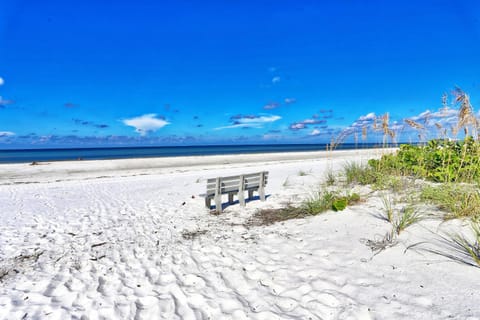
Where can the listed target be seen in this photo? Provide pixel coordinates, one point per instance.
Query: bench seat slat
(246, 176)
(211, 193)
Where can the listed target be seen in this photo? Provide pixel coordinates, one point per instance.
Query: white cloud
(370, 116)
(365, 120)
(297, 126)
(4, 134)
(146, 123)
(276, 79)
(315, 132)
(271, 136)
(1, 81)
(260, 119)
(251, 122)
(242, 125)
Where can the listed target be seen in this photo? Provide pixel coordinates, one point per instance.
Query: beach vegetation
(457, 200)
(329, 200)
(388, 204)
(380, 243)
(406, 218)
(437, 161)
(302, 173)
(469, 245)
(359, 173)
(267, 217)
(317, 203)
(330, 178)
(339, 204)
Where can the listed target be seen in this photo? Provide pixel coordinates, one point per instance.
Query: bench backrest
(232, 183)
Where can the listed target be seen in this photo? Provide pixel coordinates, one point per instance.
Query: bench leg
(218, 203)
(261, 193)
(241, 198)
(208, 202)
(230, 198)
(250, 194)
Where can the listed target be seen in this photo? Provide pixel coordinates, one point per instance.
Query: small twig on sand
(98, 244)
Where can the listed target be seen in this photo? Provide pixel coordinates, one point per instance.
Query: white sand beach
(132, 239)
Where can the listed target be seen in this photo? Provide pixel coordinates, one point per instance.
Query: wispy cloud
(300, 125)
(271, 105)
(325, 110)
(276, 79)
(1, 81)
(249, 121)
(315, 132)
(290, 100)
(297, 126)
(4, 103)
(70, 105)
(90, 123)
(146, 123)
(4, 134)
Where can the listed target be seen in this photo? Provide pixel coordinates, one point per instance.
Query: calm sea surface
(30, 155)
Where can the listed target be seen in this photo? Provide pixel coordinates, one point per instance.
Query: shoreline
(55, 170)
(74, 154)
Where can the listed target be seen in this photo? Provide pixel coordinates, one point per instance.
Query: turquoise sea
(30, 155)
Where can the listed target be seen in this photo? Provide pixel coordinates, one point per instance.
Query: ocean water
(31, 155)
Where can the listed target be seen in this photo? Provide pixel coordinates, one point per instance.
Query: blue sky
(119, 73)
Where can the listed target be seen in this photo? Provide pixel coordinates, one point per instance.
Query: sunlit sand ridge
(132, 239)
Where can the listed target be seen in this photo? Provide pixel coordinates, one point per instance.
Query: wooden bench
(235, 185)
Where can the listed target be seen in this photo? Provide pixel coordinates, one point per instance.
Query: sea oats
(364, 133)
(414, 124)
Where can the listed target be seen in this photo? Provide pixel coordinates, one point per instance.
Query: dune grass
(317, 203)
(470, 246)
(406, 218)
(457, 200)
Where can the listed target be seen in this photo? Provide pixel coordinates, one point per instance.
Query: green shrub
(324, 201)
(438, 160)
(339, 204)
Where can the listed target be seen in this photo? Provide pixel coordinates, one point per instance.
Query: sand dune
(131, 239)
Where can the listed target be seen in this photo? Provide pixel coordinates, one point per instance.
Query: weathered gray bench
(235, 185)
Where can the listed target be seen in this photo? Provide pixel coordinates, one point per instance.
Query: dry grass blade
(375, 124)
(391, 134)
(364, 133)
(267, 217)
(445, 100)
(466, 115)
(385, 121)
(414, 124)
(381, 243)
(454, 131)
